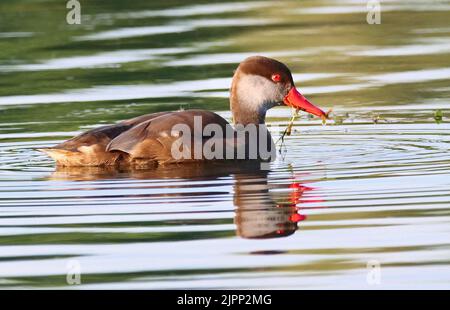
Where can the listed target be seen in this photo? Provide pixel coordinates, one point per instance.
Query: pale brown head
(259, 84)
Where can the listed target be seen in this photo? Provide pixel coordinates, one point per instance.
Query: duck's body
(148, 140)
(142, 141)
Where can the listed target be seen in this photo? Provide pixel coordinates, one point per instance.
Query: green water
(372, 186)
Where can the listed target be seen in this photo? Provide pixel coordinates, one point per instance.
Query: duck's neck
(245, 116)
(247, 102)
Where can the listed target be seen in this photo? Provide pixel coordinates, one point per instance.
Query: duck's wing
(89, 148)
(142, 118)
(153, 139)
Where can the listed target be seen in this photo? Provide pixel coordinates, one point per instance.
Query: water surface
(372, 187)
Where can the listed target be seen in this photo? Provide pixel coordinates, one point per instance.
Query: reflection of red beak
(295, 218)
(296, 100)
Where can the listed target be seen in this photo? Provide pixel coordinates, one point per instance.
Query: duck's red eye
(276, 77)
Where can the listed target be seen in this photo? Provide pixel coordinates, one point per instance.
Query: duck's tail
(85, 157)
(62, 157)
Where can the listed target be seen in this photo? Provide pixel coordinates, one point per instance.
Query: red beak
(298, 101)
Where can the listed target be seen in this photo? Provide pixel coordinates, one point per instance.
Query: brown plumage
(259, 84)
(143, 141)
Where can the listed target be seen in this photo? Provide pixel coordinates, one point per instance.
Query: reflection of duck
(258, 214)
(262, 210)
(259, 84)
(197, 171)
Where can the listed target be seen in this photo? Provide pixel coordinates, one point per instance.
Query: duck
(258, 84)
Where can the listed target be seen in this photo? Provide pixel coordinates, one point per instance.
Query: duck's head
(260, 83)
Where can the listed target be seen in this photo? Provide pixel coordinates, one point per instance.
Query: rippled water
(371, 188)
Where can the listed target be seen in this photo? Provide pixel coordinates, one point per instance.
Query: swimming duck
(258, 84)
